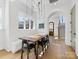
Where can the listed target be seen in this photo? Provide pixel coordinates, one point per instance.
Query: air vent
(52, 1)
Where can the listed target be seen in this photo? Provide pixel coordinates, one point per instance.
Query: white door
(73, 27)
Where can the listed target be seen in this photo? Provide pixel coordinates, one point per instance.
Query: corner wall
(13, 44)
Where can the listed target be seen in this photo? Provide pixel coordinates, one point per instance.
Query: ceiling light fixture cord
(44, 8)
(31, 9)
(41, 8)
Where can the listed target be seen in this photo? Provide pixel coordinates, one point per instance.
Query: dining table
(33, 38)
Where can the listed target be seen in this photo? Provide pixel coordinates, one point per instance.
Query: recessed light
(55, 3)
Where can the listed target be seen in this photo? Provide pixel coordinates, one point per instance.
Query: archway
(51, 28)
(59, 24)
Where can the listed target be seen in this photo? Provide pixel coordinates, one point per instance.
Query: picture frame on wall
(41, 26)
(20, 22)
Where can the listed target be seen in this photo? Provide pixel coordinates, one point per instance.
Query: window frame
(29, 22)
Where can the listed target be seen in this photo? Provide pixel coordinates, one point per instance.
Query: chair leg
(36, 47)
(27, 53)
(42, 48)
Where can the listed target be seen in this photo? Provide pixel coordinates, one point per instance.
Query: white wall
(73, 26)
(76, 28)
(11, 22)
(39, 21)
(2, 30)
(2, 39)
(14, 9)
(67, 28)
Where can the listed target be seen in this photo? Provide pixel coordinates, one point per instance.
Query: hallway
(29, 20)
(57, 50)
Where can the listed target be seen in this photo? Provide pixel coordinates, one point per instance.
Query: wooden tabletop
(35, 37)
(32, 38)
(42, 35)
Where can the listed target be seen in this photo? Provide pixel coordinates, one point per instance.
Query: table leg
(28, 50)
(36, 50)
(22, 50)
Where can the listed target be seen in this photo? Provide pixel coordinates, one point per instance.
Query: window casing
(25, 23)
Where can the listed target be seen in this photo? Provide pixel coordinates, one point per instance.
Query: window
(25, 23)
(21, 25)
(21, 22)
(61, 19)
(41, 26)
(32, 24)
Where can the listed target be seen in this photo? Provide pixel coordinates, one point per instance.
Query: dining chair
(44, 42)
(28, 46)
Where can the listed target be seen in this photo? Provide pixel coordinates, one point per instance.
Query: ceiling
(49, 7)
(52, 1)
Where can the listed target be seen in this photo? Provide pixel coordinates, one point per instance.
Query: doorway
(51, 28)
(57, 24)
(61, 28)
(73, 27)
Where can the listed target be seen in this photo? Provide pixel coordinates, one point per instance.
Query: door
(73, 27)
(51, 28)
(61, 28)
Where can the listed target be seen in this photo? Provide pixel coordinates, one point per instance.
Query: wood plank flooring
(57, 50)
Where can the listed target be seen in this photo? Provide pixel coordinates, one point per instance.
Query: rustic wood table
(33, 38)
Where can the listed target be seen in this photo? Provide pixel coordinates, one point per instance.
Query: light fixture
(31, 10)
(55, 3)
(12, 0)
(52, 1)
(39, 8)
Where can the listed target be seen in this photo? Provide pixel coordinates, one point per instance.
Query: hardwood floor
(57, 50)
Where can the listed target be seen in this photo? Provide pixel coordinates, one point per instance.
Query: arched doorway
(57, 18)
(61, 28)
(51, 28)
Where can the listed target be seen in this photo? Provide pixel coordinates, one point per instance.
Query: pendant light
(39, 9)
(31, 11)
(44, 8)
